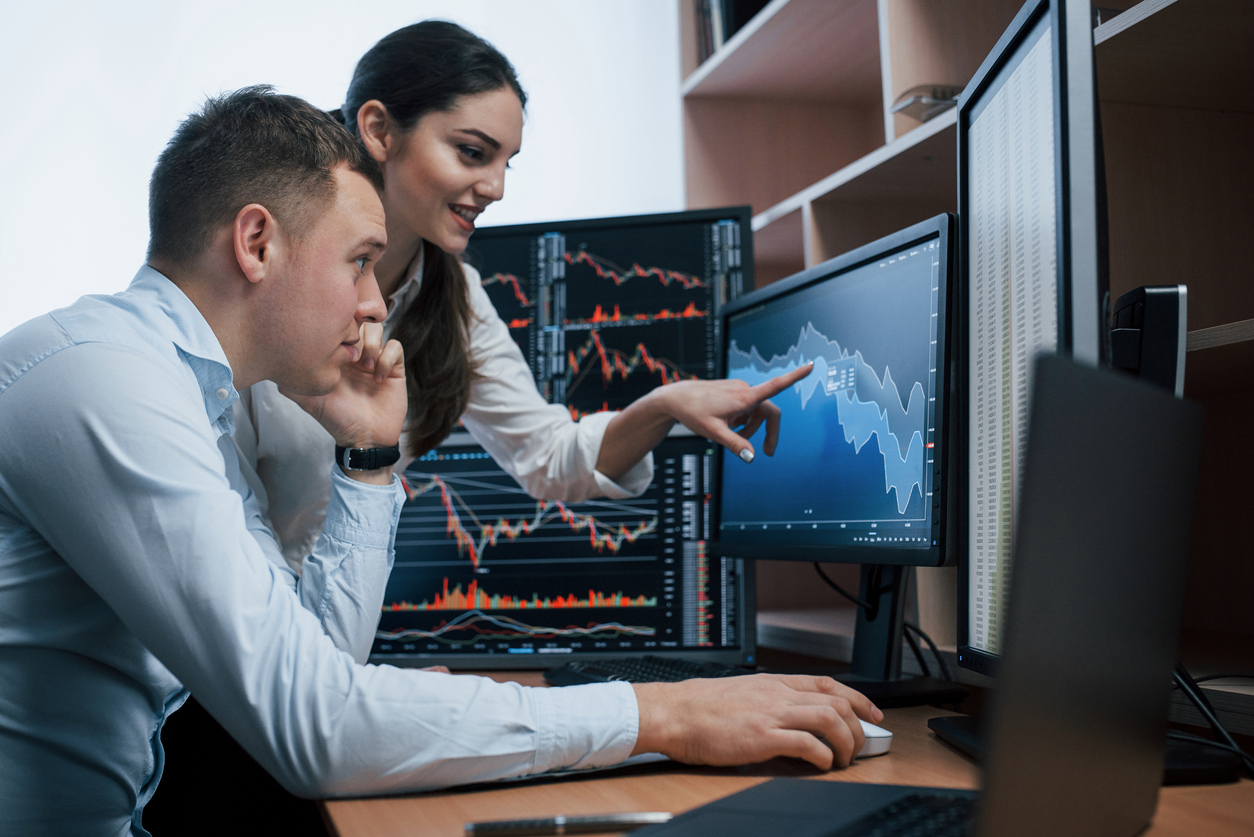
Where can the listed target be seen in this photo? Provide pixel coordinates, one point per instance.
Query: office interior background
(94, 90)
(805, 134)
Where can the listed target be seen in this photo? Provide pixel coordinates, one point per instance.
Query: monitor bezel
(940, 227)
(1082, 295)
(742, 214)
(746, 654)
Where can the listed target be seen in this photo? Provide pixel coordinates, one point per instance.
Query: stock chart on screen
(606, 311)
(484, 569)
(854, 461)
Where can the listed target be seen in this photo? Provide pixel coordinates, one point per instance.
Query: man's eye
(361, 263)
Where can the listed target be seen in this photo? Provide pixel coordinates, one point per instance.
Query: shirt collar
(173, 316)
(404, 296)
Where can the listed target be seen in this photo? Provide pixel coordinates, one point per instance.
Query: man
(134, 566)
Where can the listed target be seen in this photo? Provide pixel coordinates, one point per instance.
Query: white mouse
(878, 740)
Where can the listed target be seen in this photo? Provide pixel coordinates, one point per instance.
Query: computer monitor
(1031, 277)
(487, 577)
(861, 468)
(605, 310)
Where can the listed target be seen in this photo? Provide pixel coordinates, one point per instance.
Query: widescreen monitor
(859, 473)
(1031, 279)
(487, 577)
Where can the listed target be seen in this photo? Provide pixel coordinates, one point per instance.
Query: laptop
(1080, 714)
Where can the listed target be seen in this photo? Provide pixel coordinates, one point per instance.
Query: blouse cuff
(585, 726)
(631, 484)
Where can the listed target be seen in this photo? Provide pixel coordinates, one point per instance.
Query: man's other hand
(367, 408)
(746, 720)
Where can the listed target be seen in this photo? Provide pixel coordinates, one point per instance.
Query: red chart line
(511, 280)
(607, 270)
(614, 362)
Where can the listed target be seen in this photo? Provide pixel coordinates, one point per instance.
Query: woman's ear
(374, 124)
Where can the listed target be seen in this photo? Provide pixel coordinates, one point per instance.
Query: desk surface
(917, 758)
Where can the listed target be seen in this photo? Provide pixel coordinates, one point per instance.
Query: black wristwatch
(366, 459)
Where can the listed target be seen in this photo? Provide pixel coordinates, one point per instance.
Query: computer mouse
(878, 740)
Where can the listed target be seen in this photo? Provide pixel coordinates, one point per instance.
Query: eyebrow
(481, 135)
(373, 243)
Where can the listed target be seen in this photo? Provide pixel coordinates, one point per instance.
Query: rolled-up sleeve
(162, 538)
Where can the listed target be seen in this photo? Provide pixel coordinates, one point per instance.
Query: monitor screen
(487, 576)
(606, 310)
(857, 473)
(1031, 275)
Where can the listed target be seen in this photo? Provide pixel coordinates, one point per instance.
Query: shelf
(1178, 53)
(1221, 335)
(886, 173)
(784, 53)
(828, 634)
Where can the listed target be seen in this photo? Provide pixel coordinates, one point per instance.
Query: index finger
(862, 705)
(773, 387)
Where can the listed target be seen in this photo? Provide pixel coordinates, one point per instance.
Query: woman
(441, 110)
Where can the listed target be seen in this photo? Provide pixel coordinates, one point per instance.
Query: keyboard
(647, 669)
(917, 815)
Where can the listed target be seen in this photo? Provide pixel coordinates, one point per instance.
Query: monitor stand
(876, 666)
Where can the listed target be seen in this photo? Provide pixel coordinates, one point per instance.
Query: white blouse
(284, 452)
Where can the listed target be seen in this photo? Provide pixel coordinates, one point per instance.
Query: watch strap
(366, 459)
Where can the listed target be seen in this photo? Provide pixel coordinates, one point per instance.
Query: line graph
(612, 362)
(513, 282)
(606, 269)
(866, 404)
(475, 625)
(476, 597)
(600, 534)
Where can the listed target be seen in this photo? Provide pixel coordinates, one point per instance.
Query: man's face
(328, 290)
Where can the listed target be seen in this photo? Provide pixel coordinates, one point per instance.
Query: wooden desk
(917, 758)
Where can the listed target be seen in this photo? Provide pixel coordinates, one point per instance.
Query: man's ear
(256, 237)
(377, 131)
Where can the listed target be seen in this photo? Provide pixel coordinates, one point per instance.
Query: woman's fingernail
(747, 454)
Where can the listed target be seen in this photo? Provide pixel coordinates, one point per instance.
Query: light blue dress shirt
(134, 567)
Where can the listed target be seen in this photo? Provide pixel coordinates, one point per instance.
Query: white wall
(93, 90)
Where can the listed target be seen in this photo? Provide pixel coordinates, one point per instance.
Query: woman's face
(450, 166)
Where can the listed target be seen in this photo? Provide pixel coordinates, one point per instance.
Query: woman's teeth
(468, 214)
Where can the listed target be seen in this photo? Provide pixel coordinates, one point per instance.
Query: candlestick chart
(603, 315)
(483, 567)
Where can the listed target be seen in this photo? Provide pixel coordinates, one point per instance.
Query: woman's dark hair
(421, 69)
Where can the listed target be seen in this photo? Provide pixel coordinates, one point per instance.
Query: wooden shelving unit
(792, 116)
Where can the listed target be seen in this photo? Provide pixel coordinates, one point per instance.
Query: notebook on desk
(1080, 714)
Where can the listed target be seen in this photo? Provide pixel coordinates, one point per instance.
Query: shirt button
(222, 393)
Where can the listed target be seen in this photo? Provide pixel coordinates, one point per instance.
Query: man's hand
(746, 720)
(367, 408)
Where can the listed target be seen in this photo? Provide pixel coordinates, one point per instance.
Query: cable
(909, 626)
(1246, 761)
(841, 590)
(918, 654)
(1222, 677)
(1190, 688)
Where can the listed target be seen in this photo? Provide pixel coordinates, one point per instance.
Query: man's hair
(250, 146)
